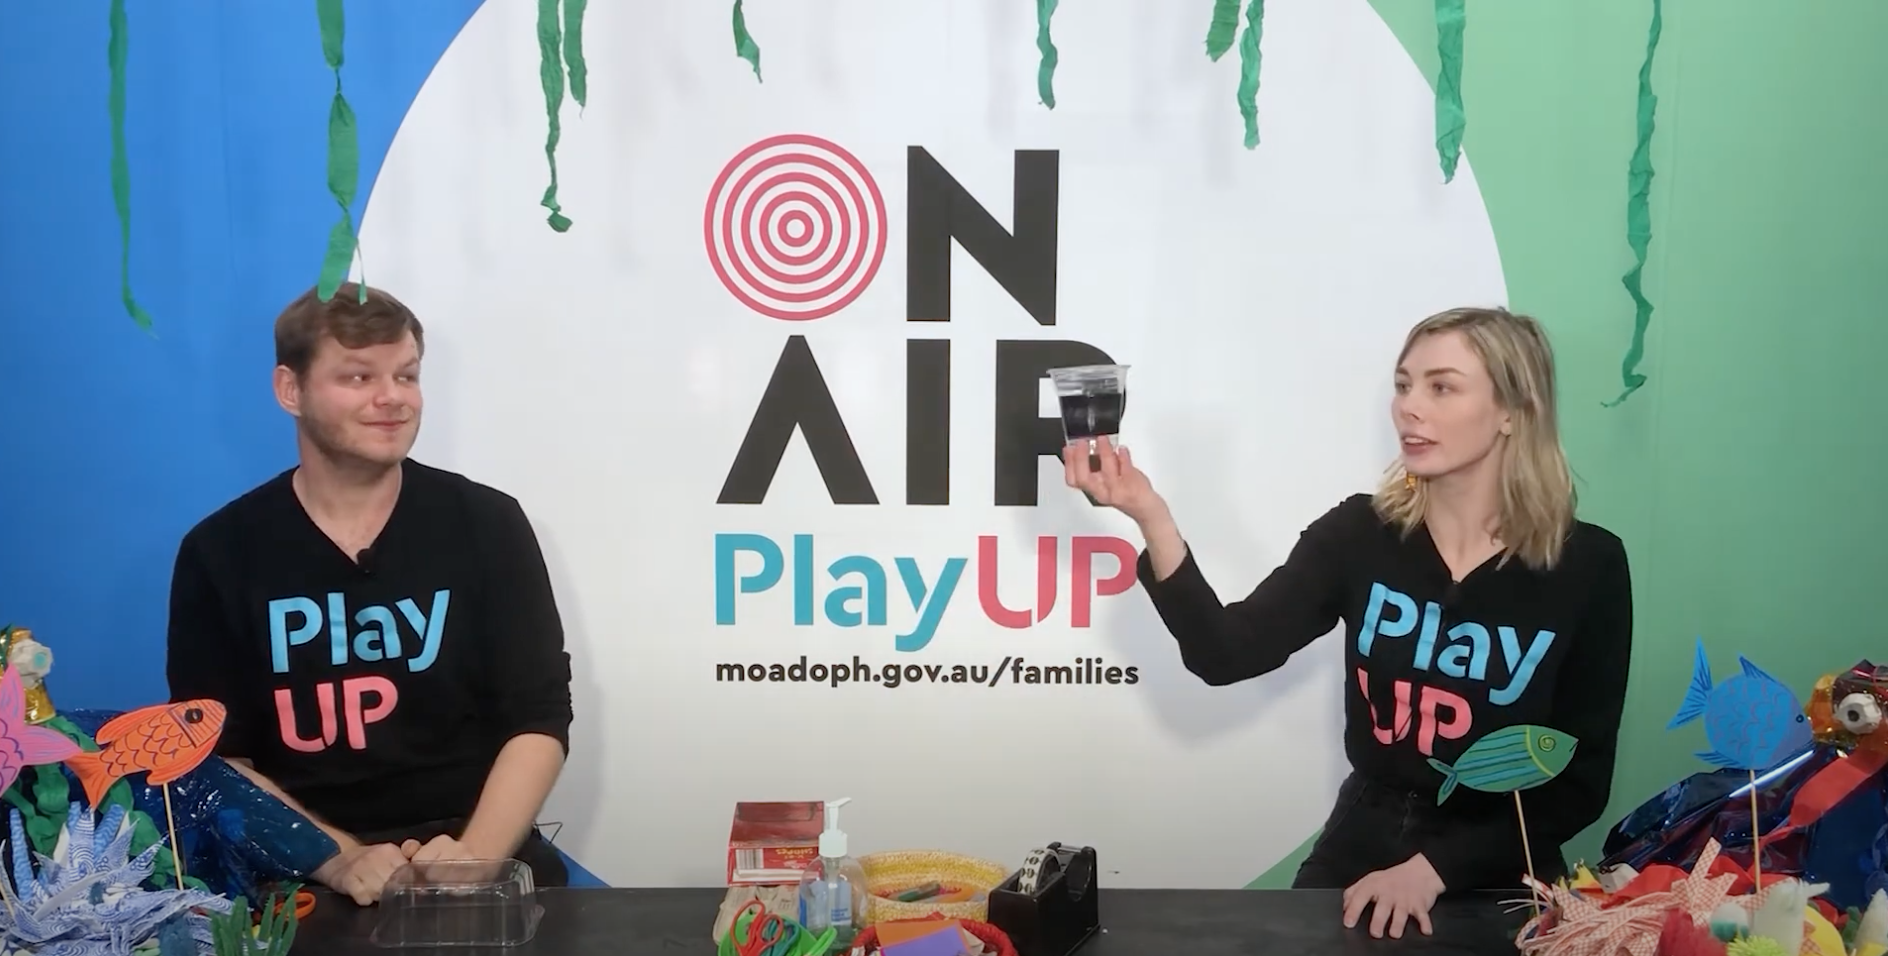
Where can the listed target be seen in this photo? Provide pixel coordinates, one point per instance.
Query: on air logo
(795, 228)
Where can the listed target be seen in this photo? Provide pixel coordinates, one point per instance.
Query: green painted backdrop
(1745, 477)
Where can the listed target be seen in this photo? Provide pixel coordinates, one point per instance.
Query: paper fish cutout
(165, 740)
(1509, 759)
(1753, 721)
(22, 744)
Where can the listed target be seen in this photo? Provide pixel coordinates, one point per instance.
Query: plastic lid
(832, 840)
(458, 903)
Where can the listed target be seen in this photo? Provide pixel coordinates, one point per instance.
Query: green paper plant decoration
(1639, 211)
(344, 157)
(117, 50)
(233, 933)
(560, 48)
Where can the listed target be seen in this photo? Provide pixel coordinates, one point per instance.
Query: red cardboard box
(771, 843)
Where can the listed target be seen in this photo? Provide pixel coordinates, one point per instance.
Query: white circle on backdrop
(606, 377)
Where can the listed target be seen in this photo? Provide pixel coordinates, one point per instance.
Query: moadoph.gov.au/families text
(1079, 672)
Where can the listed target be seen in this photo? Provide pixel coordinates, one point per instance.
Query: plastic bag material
(1847, 848)
(234, 837)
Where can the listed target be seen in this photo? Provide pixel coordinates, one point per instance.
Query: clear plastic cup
(469, 903)
(1093, 399)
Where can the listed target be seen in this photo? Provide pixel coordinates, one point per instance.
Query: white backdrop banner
(775, 401)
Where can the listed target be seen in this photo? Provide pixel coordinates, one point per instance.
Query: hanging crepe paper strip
(344, 157)
(1219, 39)
(1225, 27)
(115, 51)
(1450, 119)
(1045, 72)
(1249, 70)
(573, 53)
(744, 45)
(1639, 212)
(560, 42)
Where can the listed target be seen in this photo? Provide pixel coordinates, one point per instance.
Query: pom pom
(1757, 946)
(1681, 937)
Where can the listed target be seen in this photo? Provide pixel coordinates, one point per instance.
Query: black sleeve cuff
(554, 726)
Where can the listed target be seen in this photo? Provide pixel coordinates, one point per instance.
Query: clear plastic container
(1093, 399)
(459, 903)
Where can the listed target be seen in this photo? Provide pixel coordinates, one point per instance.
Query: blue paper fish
(1509, 759)
(1753, 721)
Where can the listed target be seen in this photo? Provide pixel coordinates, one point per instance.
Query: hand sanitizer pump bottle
(832, 890)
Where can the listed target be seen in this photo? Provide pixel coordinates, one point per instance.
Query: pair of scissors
(304, 905)
(762, 934)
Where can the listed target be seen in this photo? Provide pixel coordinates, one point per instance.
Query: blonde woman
(1472, 600)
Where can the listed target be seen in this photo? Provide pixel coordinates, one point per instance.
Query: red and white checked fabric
(1573, 925)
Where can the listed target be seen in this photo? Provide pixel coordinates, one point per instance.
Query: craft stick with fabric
(1510, 760)
(163, 740)
(1753, 722)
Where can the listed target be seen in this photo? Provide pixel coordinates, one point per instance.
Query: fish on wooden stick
(163, 740)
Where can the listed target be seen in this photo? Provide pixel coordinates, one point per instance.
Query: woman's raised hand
(1115, 483)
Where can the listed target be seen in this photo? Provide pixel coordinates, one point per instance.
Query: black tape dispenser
(1052, 905)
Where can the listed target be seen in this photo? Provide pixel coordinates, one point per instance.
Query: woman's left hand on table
(1403, 892)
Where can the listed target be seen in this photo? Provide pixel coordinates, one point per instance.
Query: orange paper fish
(164, 740)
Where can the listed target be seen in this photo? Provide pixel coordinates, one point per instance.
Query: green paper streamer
(1045, 73)
(551, 75)
(115, 52)
(1225, 28)
(1639, 212)
(344, 158)
(744, 45)
(1450, 118)
(1249, 70)
(573, 52)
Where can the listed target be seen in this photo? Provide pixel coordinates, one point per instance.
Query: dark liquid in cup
(1091, 416)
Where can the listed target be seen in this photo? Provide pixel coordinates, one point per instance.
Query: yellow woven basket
(891, 873)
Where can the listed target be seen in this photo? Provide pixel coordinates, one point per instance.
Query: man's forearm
(520, 780)
(342, 837)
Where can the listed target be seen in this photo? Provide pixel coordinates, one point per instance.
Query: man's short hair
(356, 322)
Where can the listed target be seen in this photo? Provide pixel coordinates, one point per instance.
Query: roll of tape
(1039, 870)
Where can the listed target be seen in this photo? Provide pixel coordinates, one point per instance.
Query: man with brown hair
(383, 633)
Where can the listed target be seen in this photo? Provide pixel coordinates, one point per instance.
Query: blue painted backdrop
(115, 441)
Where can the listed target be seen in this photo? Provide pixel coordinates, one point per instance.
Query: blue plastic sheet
(1847, 848)
(233, 835)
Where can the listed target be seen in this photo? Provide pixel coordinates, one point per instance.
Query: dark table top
(608, 922)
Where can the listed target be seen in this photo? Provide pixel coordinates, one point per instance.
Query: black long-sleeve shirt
(377, 693)
(1432, 665)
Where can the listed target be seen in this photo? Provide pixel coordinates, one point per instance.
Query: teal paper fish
(1509, 759)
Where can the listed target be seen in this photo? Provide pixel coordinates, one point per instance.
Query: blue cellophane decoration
(234, 836)
(1847, 848)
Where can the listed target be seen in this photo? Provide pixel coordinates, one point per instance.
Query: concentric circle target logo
(795, 227)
